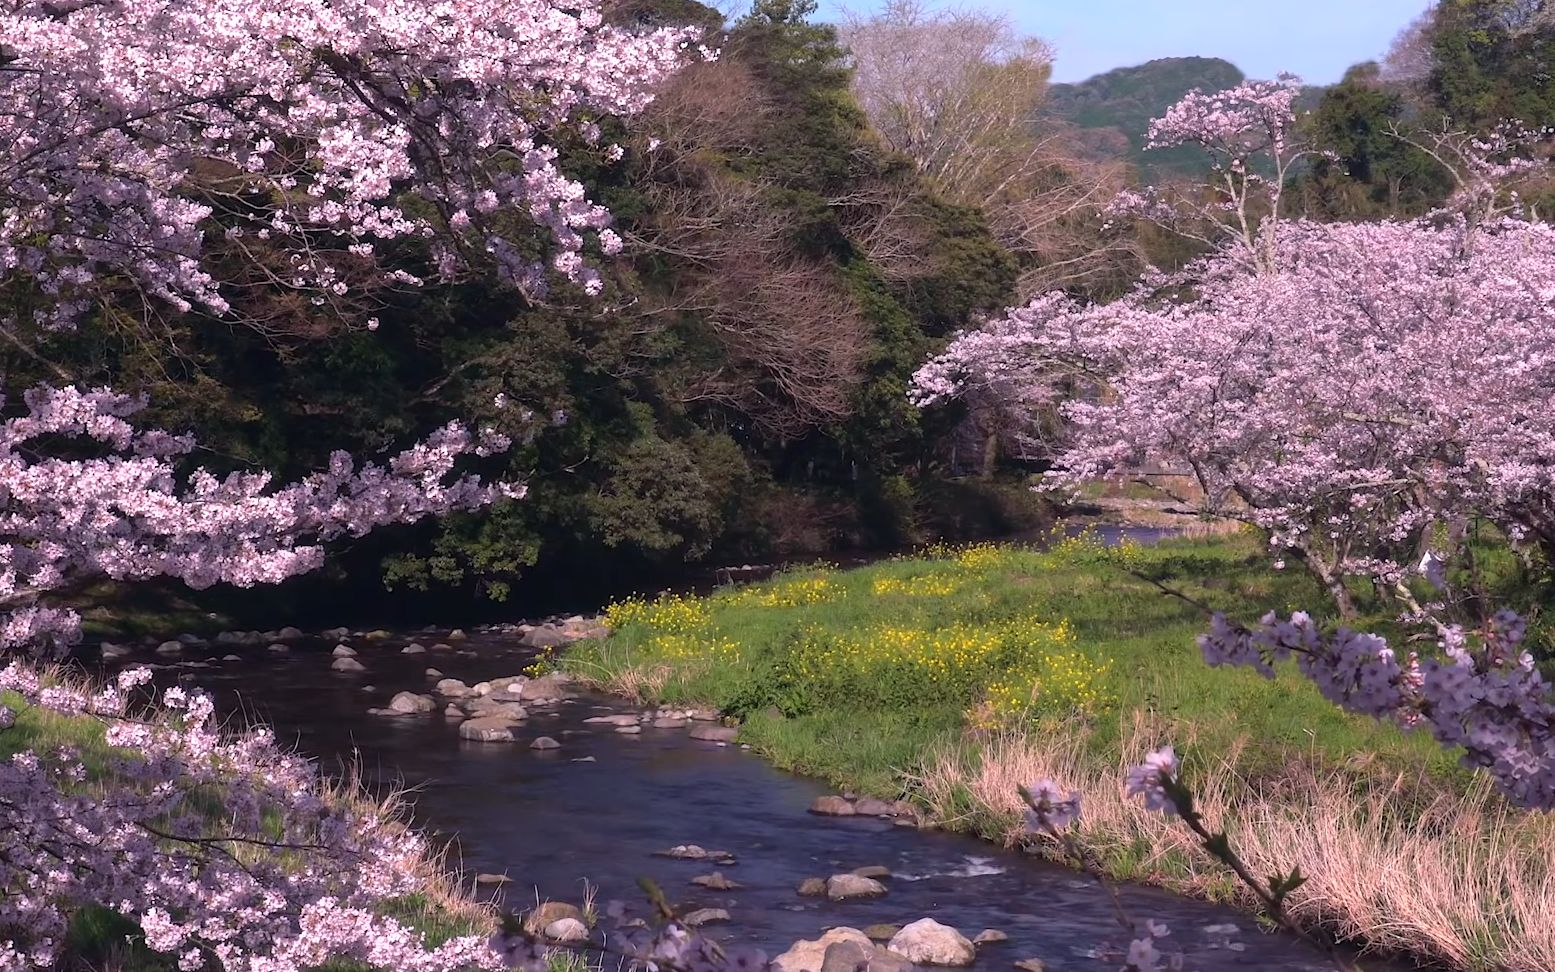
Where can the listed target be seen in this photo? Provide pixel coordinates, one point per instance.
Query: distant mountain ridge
(1112, 110)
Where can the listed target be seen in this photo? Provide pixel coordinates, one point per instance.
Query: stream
(601, 806)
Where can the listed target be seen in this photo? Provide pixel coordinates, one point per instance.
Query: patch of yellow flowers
(681, 628)
(794, 592)
(929, 585)
(1049, 683)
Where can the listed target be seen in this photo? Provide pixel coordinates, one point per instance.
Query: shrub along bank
(953, 676)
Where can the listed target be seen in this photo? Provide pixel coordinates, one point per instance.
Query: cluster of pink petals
(130, 513)
(308, 122)
(1484, 695)
(223, 848)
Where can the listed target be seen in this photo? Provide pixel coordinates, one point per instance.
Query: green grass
(743, 651)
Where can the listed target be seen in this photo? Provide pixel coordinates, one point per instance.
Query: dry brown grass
(1459, 878)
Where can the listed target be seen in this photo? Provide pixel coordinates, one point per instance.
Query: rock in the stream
(457, 634)
(288, 633)
(881, 933)
(550, 911)
(231, 658)
(809, 955)
(377, 635)
(868, 807)
(545, 689)
(113, 652)
(434, 673)
(348, 665)
(668, 723)
(545, 742)
(694, 852)
(843, 887)
(623, 719)
(629, 730)
(278, 649)
(716, 881)
(492, 879)
(493, 729)
(440, 646)
(1031, 965)
(344, 651)
(170, 648)
(452, 711)
(335, 634)
(451, 688)
(565, 931)
(832, 806)
(723, 734)
(812, 887)
(927, 942)
(413, 649)
(705, 916)
(410, 703)
(546, 636)
(873, 871)
(989, 936)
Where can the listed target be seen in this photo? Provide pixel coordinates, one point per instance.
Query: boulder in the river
(873, 871)
(546, 636)
(348, 665)
(881, 933)
(846, 957)
(723, 734)
(869, 807)
(633, 730)
(434, 673)
(442, 646)
(989, 936)
(278, 649)
(545, 689)
(621, 719)
(808, 955)
(335, 634)
(494, 729)
(457, 634)
(377, 634)
(414, 649)
(545, 742)
(832, 806)
(1031, 965)
(288, 633)
(547, 912)
(669, 723)
(844, 887)
(231, 658)
(452, 711)
(492, 879)
(170, 648)
(704, 916)
(566, 931)
(344, 651)
(192, 640)
(113, 652)
(812, 887)
(409, 703)
(451, 688)
(694, 852)
(702, 715)
(927, 942)
(716, 881)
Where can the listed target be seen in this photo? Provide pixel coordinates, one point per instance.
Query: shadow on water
(600, 807)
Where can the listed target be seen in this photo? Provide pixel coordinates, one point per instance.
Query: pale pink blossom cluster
(128, 128)
(225, 850)
(129, 513)
(1484, 694)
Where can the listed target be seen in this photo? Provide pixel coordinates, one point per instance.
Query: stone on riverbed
(723, 734)
(881, 933)
(812, 887)
(344, 651)
(113, 652)
(704, 916)
(288, 633)
(492, 879)
(348, 665)
(278, 649)
(843, 887)
(839, 950)
(413, 649)
(545, 742)
(451, 688)
(873, 871)
(633, 730)
(457, 634)
(452, 711)
(492, 729)
(927, 942)
(410, 703)
(170, 648)
(623, 719)
(545, 689)
(565, 931)
(434, 673)
(832, 806)
(694, 852)
(1031, 965)
(669, 723)
(544, 914)
(989, 936)
(716, 882)
(868, 807)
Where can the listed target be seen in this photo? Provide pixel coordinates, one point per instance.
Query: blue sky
(1316, 39)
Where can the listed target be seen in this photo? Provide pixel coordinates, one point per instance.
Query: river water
(600, 806)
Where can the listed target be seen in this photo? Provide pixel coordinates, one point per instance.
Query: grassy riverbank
(953, 676)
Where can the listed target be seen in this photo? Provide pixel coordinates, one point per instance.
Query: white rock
(927, 942)
(566, 930)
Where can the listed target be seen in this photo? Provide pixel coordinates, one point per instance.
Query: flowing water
(600, 806)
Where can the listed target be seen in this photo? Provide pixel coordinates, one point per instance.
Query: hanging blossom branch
(128, 514)
(322, 128)
(282, 876)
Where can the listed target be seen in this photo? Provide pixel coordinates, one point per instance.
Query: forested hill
(1114, 109)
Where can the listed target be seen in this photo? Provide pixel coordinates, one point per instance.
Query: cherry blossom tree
(137, 138)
